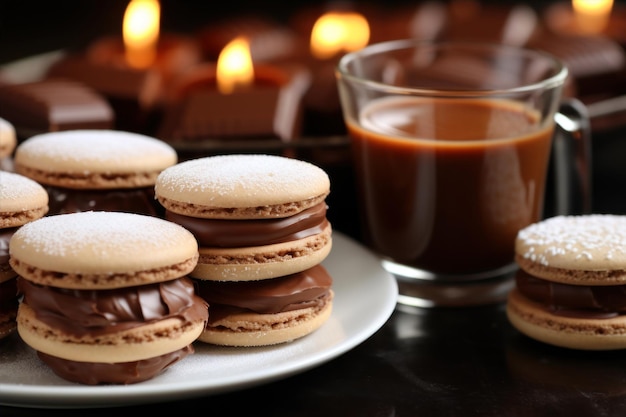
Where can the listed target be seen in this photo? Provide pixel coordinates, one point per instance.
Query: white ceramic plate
(365, 297)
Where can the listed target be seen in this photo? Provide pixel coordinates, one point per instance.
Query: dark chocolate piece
(53, 105)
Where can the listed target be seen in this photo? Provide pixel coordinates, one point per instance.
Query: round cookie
(106, 294)
(571, 287)
(269, 311)
(254, 216)
(22, 200)
(86, 170)
(8, 138)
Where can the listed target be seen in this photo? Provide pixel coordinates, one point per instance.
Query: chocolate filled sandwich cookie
(106, 296)
(99, 170)
(254, 216)
(262, 232)
(571, 287)
(22, 200)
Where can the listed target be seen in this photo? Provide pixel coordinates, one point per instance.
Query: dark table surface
(436, 362)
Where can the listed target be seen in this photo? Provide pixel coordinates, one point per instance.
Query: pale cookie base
(143, 342)
(267, 329)
(22, 217)
(572, 276)
(102, 281)
(240, 213)
(263, 262)
(89, 180)
(534, 321)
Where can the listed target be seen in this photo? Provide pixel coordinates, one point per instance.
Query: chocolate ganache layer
(98, 312)
(90, 373)
(244, 233)
(291, 292)
(579, 301)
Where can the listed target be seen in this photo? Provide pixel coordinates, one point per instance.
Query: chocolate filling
(243, 233)
(98, 312)
(132, 200)
(580, 301)
(89, 373)
(291, 292)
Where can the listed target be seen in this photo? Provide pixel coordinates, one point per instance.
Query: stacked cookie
(106, 297)
(22, 200)
(86, 170)
(571, 287)
(261, 226)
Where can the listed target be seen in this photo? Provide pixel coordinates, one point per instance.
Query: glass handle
(571, 158)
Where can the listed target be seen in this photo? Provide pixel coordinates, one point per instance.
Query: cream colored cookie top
(237, 181)
(8, 139)
(19, 193)
(101, 243)
(586, 242)
(83, 151)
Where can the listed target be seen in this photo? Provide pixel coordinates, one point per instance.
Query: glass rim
(555, 80)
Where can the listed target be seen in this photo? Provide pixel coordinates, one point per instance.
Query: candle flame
(336, 32)
(234, 66)
(141, 32)
(592, 16)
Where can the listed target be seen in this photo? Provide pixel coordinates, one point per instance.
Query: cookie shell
(253, 329)
(8, 138)
(263, 262)
(93, 159)
(102, 250)
(144, 342)
(21, 200)
(531, 319)
(585, 249)
(251, 182)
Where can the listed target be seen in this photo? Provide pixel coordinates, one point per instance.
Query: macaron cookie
(106, 296)
(570, 290)
(8, 142)
(99, 169)
(22, 200)
(8, 138)
(260, 222)
(255, 216)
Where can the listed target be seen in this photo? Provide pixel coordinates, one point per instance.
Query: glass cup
(456, 147)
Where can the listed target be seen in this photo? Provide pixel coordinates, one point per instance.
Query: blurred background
(597, 58)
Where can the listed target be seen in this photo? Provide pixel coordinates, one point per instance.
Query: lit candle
(235, 99)
(234, 66)
(338, 32)
(588, 17)
(592, 16)
(332, 34)
(133, 70)
(141, 32)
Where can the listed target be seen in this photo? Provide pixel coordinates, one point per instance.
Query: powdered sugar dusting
(242, 176)
(85, 146)
(19, 193)
(595, 241)
(92, 239)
